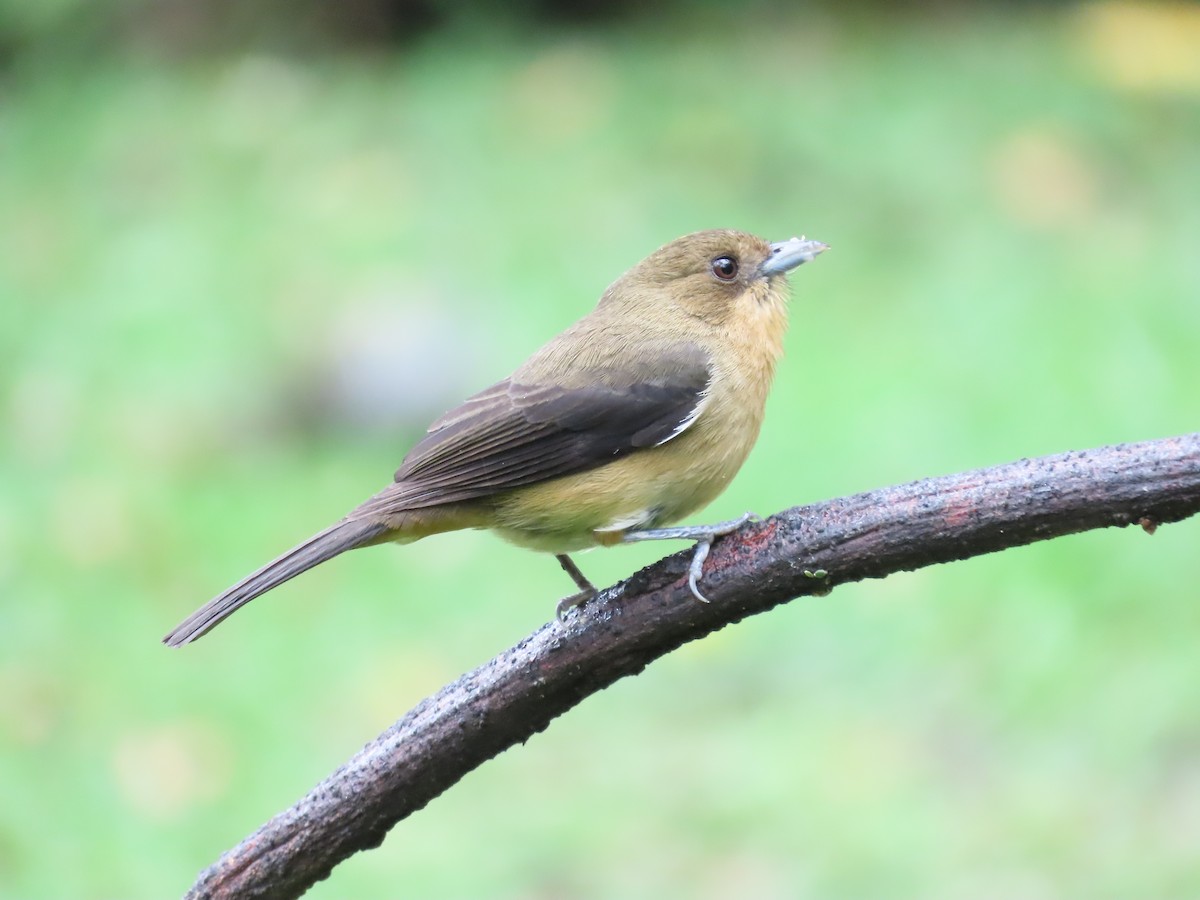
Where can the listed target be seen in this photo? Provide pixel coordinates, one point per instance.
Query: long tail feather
(344, 535)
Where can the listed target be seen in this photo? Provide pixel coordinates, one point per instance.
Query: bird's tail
(338, 538)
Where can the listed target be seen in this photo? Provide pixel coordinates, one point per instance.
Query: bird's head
(713, 276)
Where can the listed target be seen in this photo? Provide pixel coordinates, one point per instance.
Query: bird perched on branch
(634, 417)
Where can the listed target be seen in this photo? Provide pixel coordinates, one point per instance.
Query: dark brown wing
(515, 434)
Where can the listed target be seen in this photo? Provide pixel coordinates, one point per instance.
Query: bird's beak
(786, 255)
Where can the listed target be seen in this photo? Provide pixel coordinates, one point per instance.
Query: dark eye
(725, 268)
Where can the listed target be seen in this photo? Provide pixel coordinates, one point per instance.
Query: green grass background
(190, 249)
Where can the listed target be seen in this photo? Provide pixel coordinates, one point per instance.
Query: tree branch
(804, 550)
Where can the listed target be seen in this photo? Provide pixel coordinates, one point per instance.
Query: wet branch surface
(801, 551)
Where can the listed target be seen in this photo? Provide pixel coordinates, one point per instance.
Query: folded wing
(515, 433)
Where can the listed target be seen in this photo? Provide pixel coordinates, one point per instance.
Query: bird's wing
(515, 434)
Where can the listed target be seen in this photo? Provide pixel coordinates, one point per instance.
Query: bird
(633, 418)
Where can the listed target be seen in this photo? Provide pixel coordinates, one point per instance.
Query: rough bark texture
(804, 550)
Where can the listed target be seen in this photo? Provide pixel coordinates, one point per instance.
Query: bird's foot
(703, 535)
(587, 590)
(566, 604)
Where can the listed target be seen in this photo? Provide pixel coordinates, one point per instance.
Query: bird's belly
(646, 489)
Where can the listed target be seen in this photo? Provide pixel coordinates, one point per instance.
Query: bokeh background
(247, 253)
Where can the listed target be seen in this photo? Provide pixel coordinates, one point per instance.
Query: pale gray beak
(786, 255)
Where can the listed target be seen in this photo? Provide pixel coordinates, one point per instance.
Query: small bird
(634, 417)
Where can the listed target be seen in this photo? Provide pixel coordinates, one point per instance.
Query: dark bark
(804, 550)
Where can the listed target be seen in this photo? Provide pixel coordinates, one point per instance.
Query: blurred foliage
(234, 287)
(170, 29)
(175, 28)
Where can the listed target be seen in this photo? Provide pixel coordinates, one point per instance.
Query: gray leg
(704, 535)
(587, 590)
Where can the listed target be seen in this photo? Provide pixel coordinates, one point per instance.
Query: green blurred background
(245, 255)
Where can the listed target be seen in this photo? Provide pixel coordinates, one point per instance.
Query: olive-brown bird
(636, 416)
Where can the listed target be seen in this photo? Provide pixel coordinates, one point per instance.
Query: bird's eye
(725, 268)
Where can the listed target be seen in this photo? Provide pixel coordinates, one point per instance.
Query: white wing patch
(687, 423)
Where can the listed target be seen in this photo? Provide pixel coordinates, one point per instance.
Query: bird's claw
(704, 545)
(704, 535)
(566, 604)
(696, 569)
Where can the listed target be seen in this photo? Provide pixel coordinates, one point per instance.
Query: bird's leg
(704, 535)
(587, 590)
